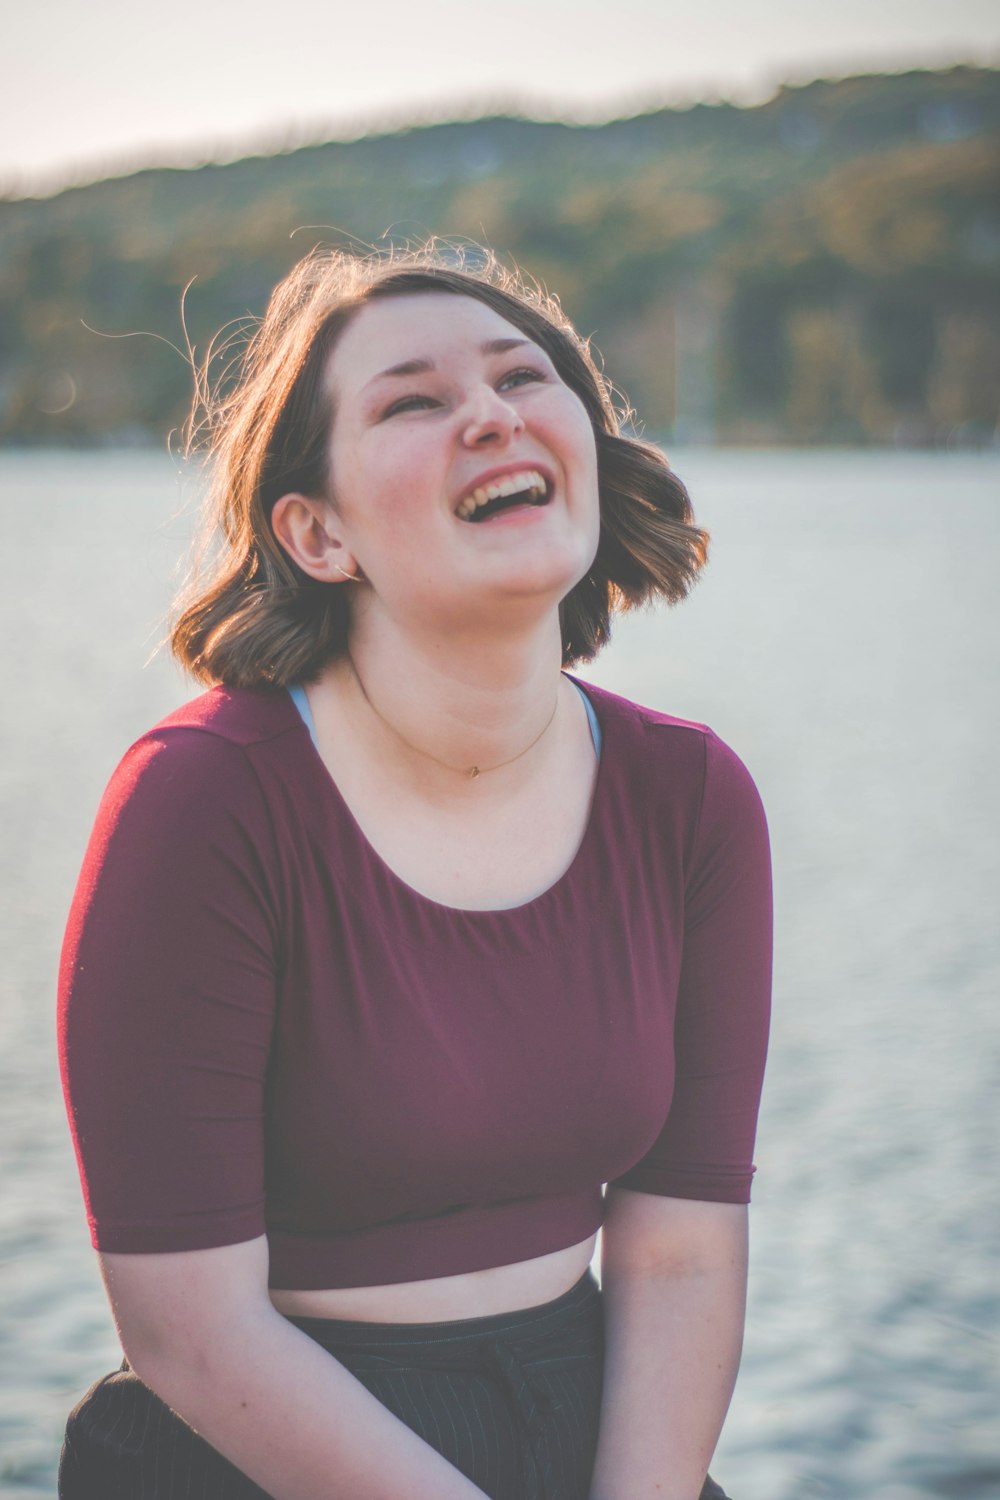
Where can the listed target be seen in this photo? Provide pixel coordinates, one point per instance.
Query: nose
(489, 418)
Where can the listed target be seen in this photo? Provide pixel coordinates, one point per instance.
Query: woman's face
(463, 469)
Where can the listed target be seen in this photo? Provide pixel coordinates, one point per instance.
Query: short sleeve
(166, 998)
(705, 1149)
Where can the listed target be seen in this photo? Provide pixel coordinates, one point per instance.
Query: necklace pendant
(474, 772)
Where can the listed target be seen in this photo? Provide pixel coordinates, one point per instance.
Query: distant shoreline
(821, 269)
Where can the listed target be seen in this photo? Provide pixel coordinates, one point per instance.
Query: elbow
(165, 1354)
(187, 1366)
(182, 1316)
(162, 1367)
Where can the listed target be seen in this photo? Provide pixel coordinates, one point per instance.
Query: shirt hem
(450, 1245)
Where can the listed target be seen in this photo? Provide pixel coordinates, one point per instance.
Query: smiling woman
(401, 961)
(271, 436)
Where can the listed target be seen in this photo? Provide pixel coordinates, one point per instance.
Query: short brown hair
(251, 616)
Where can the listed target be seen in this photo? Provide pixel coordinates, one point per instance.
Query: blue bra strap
(298, 697)
(595, 727)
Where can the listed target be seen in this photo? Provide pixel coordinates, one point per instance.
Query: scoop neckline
(483, 914)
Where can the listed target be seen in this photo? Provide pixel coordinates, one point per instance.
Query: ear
(308, 530)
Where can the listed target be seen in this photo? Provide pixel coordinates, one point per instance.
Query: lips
(523, 486)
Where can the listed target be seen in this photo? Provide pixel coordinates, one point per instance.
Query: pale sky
(91, 90)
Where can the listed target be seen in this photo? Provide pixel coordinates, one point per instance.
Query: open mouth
(526, 487)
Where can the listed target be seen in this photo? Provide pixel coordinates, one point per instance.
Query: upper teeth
(528, 480)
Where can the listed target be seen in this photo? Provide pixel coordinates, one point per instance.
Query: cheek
(362, 482)
(588, 448)
(580, 432)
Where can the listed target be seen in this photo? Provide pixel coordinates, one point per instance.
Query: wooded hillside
(822, 268)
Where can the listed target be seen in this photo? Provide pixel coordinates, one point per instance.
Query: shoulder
(218, 728)
(663, 741)
(685, 770)
(241, 716)
(186, 823)
(644, 728)
(198, 761)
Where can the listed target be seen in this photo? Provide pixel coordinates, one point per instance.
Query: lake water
(845, 640)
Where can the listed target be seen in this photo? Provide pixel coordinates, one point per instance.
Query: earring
(351, 577)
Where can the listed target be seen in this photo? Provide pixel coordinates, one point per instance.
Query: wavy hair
(248, 615)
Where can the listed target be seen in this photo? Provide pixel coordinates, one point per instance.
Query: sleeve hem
(705, 1189)
(152, 1239)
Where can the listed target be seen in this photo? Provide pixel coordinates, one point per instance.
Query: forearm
(289, 1416)
(673, 1335)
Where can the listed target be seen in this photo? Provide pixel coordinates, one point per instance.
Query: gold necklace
(473, 771)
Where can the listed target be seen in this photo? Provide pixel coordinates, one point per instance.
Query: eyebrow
(421, 366)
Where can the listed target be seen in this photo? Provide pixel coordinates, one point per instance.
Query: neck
(437, 707)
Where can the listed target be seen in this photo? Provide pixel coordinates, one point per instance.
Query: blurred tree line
(822, 268)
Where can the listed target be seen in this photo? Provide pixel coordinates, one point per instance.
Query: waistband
(546, 1318)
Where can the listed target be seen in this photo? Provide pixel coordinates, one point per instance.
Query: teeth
(528, 480)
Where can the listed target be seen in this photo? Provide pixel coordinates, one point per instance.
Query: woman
(397, 945)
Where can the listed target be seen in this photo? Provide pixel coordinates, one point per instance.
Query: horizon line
(383, 123)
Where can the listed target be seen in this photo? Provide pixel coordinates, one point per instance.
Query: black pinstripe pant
(512, 1401)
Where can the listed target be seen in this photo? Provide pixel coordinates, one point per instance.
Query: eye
(409, 403)
(523, 375)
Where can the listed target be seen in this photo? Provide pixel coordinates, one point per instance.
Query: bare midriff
(474, 1294)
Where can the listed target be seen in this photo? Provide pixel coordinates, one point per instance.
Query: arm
(167, 1000)
(675, 1235)
(674, 1283)
(197, 1327)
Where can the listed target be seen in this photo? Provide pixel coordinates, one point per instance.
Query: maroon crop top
(264, 1029)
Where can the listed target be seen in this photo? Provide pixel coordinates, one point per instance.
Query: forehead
(416, 326)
